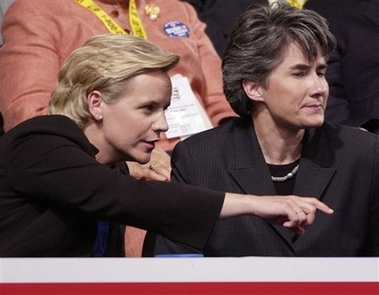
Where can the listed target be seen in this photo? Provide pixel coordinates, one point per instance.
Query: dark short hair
(257, 42)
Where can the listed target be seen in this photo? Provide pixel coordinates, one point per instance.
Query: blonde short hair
(104, 63)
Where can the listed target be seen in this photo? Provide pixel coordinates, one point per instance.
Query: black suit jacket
(53, 191)
(353, 72)
(220, 15)
(339, 166)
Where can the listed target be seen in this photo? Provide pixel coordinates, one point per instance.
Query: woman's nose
(161, 123)
(319, 85)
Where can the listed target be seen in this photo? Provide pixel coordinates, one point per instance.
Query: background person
(353, 68)
(274, 78)
(4, 4)
(39, 35)
(219, 15)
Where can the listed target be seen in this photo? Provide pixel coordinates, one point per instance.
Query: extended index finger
(321, 206)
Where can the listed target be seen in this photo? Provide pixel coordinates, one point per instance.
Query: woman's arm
(292, 212)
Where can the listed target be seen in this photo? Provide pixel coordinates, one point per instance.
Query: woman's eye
(299, 74)
(149, 108)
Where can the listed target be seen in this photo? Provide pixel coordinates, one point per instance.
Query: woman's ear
(95, 100)
(252, 90)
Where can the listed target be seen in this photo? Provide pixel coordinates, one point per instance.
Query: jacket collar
(252, 174)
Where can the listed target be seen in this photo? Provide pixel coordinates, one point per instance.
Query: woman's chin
(143, 158)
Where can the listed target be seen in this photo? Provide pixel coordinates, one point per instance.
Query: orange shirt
(39, 35)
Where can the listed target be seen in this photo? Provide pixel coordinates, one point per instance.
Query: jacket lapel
(315, 171)
(251, 172)
(315, 165)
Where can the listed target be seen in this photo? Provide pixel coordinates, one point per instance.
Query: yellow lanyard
(135, 20)
(296, 3)
(110, 24)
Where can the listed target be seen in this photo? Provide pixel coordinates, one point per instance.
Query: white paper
(185, 116)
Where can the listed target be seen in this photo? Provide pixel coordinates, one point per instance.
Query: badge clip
(152, 11)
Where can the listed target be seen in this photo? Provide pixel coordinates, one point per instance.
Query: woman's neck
(93, 132)
(279, 145)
